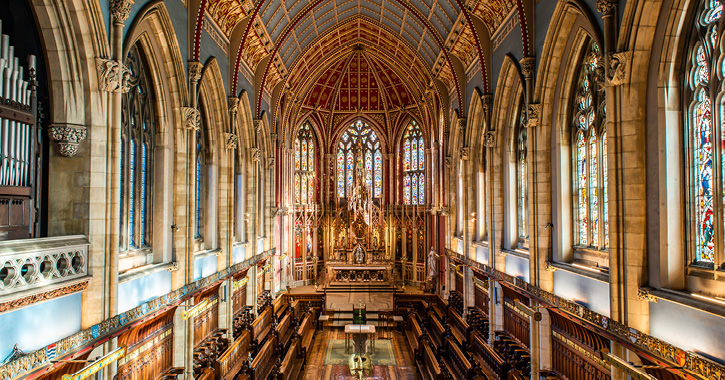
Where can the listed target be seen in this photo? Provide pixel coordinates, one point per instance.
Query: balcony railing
(40, 263)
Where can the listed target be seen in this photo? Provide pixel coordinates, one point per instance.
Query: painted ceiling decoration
(284, 41)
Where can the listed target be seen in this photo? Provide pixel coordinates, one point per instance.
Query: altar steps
(343, 287)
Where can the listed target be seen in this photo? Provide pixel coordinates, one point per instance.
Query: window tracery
(704, 126)
(591, 225)
(359, 144)
(305, 166)
(413, 165)
(137, 132)
(522, 192)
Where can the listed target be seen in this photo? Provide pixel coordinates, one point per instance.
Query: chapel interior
(362, 189)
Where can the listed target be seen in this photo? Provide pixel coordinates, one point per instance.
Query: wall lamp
(528, 310)
(624, 365)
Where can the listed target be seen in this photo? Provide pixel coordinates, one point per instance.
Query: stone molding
(231, 140)
(44, 296)
(68, 137)
(618, 72)
(528, 66)
(192, 118)
(113, 76)
(120, 9)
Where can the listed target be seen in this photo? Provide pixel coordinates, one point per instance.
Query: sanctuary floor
(316, 369)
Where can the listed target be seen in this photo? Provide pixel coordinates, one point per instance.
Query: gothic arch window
(305, 166)
(413, 165)
(589, 151)
(359, 147)
(522, 184)
(137, 145)
(200, 174)
(703, 139)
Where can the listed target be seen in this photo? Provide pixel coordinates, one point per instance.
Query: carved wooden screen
(480, 287)
(239, 295)
(575, 350)
(514, 321)
(459, 281)
(206, 322)
(150, 348)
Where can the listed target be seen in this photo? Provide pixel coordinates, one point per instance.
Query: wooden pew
(293, 361)
(262, 365)
(436, 331)
(280, 306)
(306, 332)
(459, 367)
(229, 363)
(459, 328)
(261, 327)
(487, 357)
(284, 331)
(413, 332)
(207, 374)
(428, 363)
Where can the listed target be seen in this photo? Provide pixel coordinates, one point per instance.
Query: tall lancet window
(413, 165)
(589, 148)
(200, 173)
(703, 137)
(137, 133)
(359, 147)
(305, 166)
(522, 182)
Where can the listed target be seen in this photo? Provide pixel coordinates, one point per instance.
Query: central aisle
(316, 369)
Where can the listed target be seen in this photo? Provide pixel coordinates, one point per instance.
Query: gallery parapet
(32, 265)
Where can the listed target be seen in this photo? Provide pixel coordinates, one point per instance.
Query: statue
(432, 269)
(359, 255)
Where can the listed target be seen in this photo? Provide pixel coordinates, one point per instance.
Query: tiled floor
(317, 370)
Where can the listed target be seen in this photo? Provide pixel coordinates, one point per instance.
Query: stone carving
(233, 104)
(618, 71)
(195, 69)
(449, 162)
(113, 76)
(533, 112)
(68, 138)
(528, 66)
(256, 155)
(487, 103)
(31, 299)
(550, 267)
(258, 125)
(643, 294)
(231, 140)
(464, 153)
(192, 118)
(489, 139)
(606, 7)
(120, 9)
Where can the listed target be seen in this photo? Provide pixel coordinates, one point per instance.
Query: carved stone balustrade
(44, 265)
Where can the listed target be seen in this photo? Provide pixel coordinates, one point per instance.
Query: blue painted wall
(205, 266)
(517, 267)
(139, 290)
(209, 48)
(482, 255)
(512, 44)
(583, 290)
(39, 325)
(238, 253)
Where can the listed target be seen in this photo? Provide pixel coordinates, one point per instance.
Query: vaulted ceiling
(347, 55)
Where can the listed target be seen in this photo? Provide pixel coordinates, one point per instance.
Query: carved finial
(120, 9)
(113, 76)
(606, 7)
(528, 66)
(618, 72)
(195, 69)
(192, 118)
(68, 138)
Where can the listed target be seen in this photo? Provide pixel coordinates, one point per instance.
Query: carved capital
(270, 162)
(528, 66)
(606, 7)
(618, 72)
(120, 9)
(256, 155)
(550, 267)
(464, 153)
(68, 137)
(257, 125)
(113, 76)
(449, 161)
(461, 125)
(233, 104)
(195, 69)
(643, 294)
(533, 112)
(231, 140)
(487, 102)
(489, 139)
(192, 118)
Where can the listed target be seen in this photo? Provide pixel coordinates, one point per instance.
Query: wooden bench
(487, 357)
(280, 306)
(207, 374)
(261, 366)
(261, 327)
(428, 363)
(306, 332)
(459, 328)
(459, 367)
(413, 332)
(284, 331)
(229, 363)
(293, 362)
(436, 331)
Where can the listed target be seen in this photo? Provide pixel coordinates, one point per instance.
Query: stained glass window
(589, 154)
(702, 136)
(360, 147)
(200, 170)
(137, 133)
(522, 194)
(413, 165)
(305, 172)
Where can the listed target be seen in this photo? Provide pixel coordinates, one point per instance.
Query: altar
(359, 274)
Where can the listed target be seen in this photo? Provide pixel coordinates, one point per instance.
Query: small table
(359, 329)
(321, 321)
